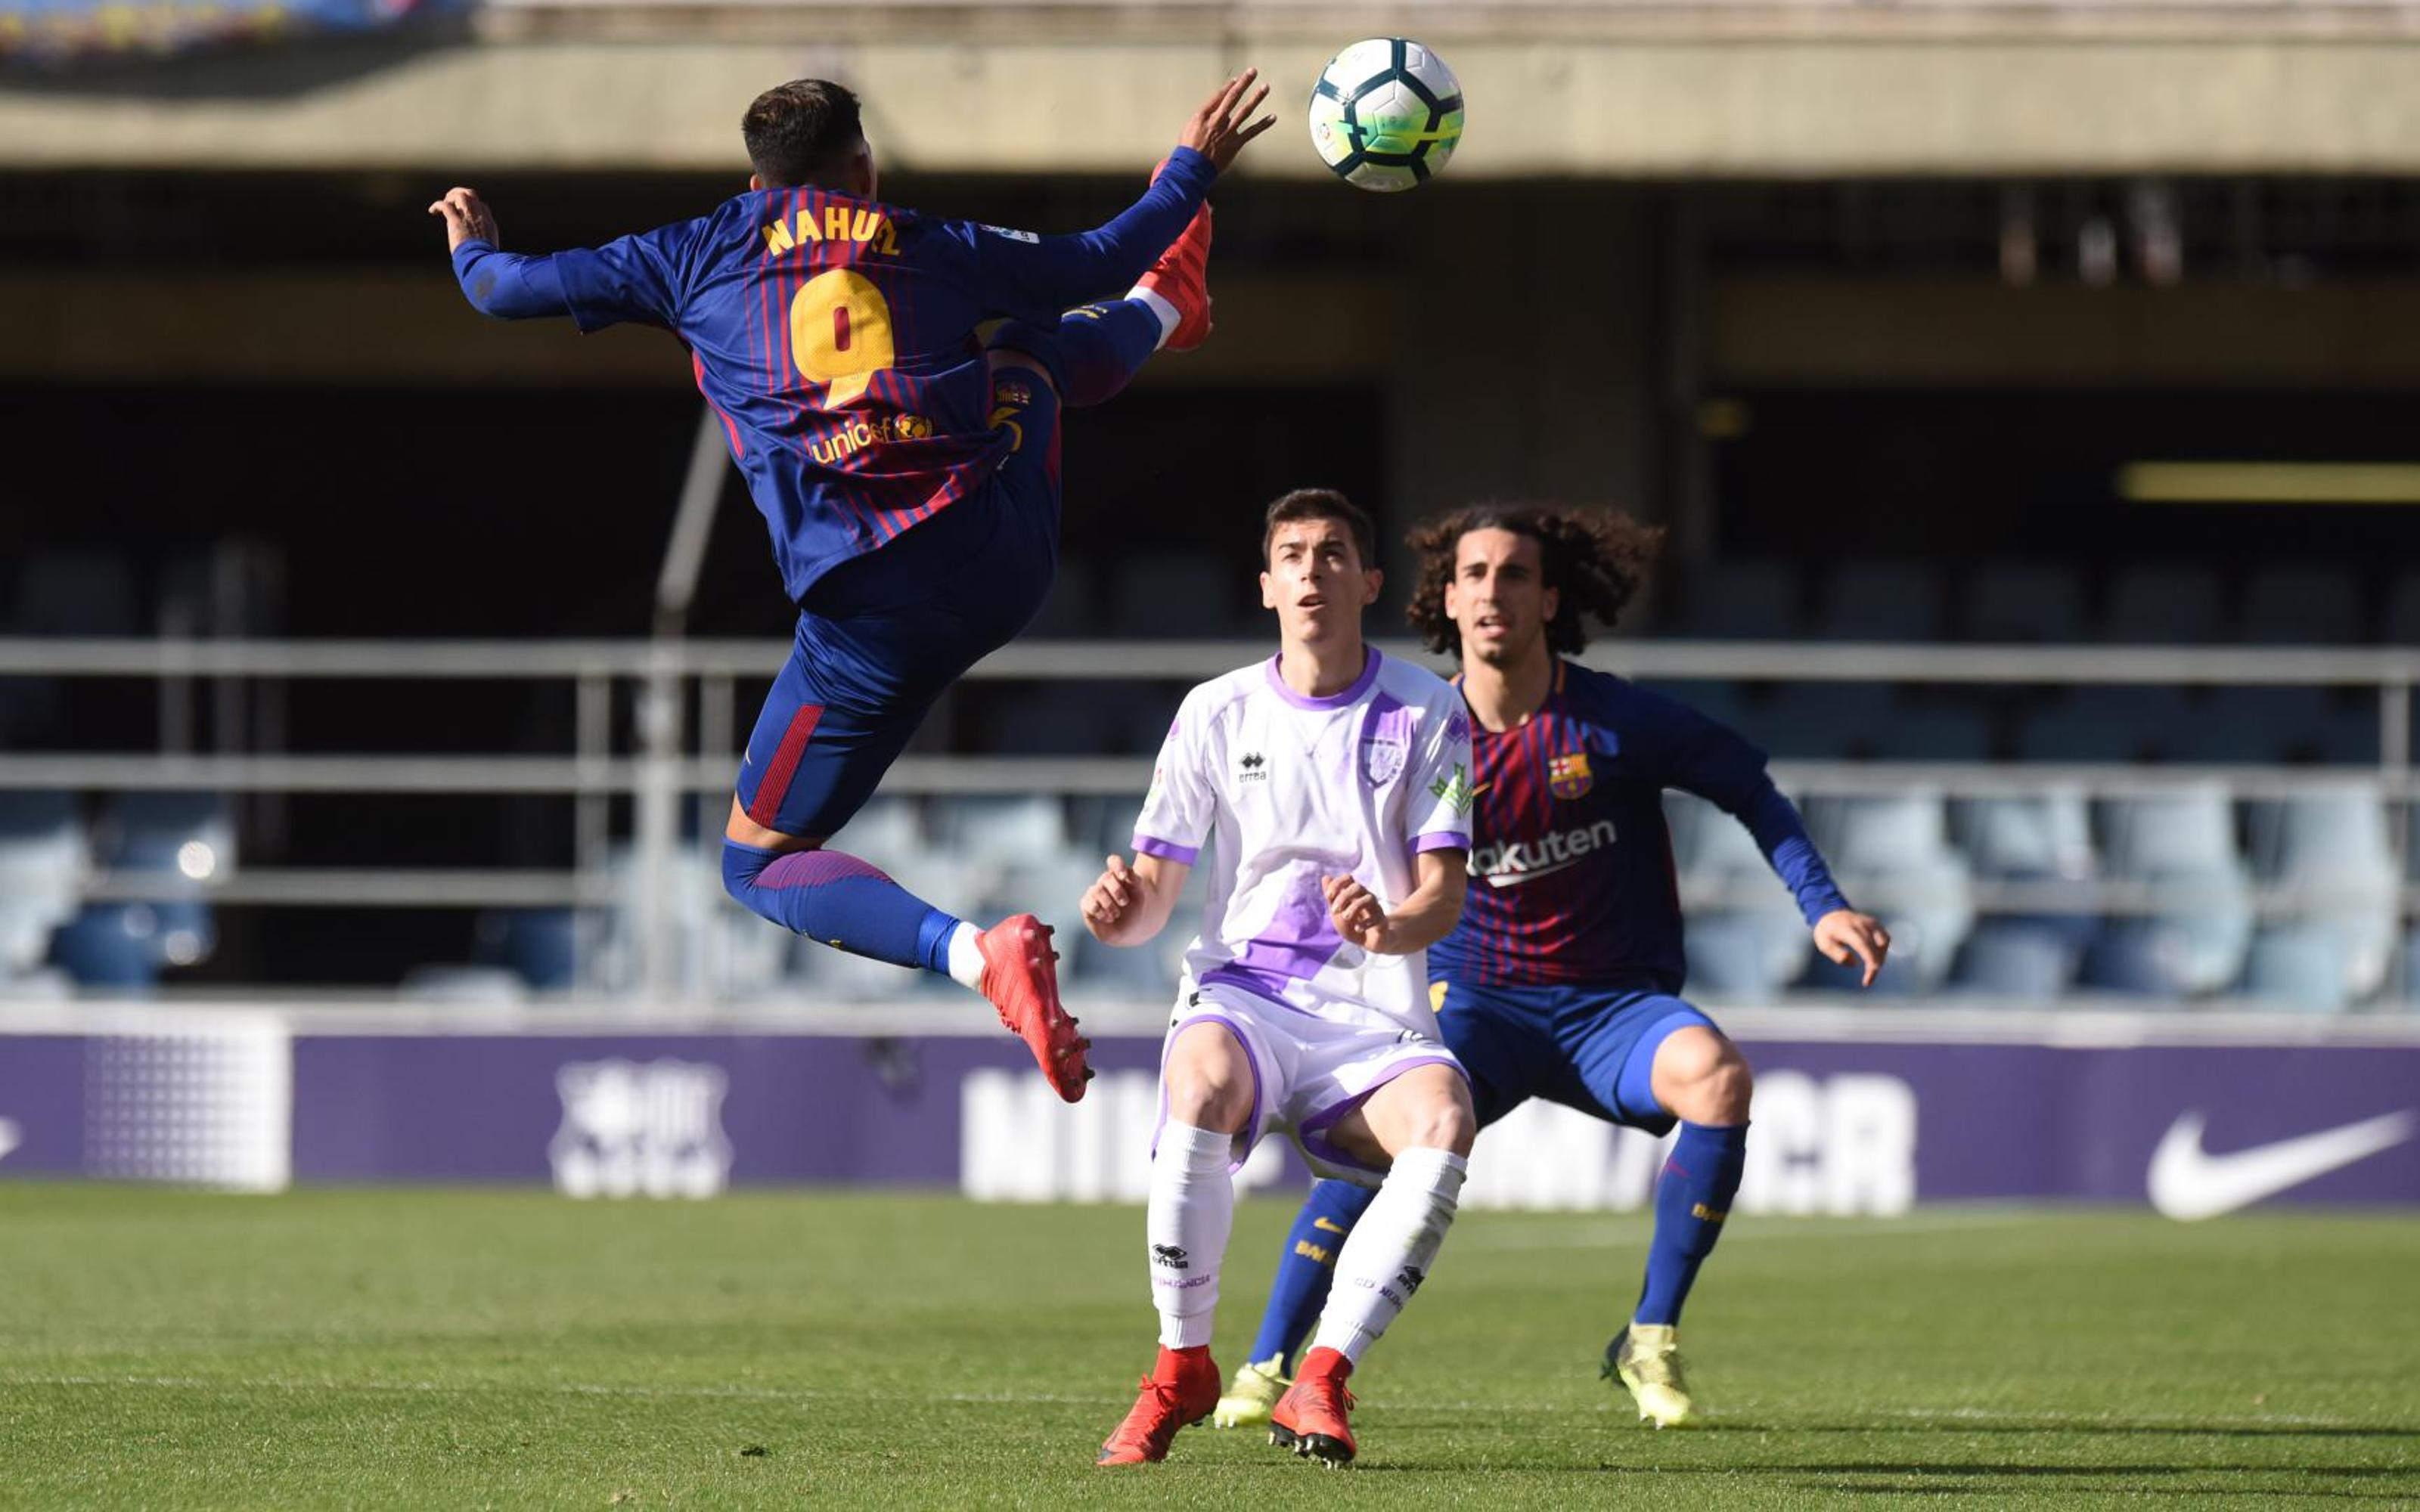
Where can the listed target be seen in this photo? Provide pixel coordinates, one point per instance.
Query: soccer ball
(1385, 113)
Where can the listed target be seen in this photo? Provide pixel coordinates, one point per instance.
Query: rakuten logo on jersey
(1510, 863)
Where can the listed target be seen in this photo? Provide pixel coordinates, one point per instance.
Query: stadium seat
(110, 946)
(884, 831)
(75, 591)
(1871, 599)
(2171, 603)
(1174, 594)
(2009, 958)
(2024, 603)
(1749, 940)
(43, 859)
(463, 984)
(2133, 956)
(2042, 839)
(2298, 966)
(1002, 830)
(2101, 723)
(2183, 844)
(1717, 700)
(1051, 720)
(2263, 726)
(1821, 722)
(1935, 732)
(539, 946)
(1892, 857)
(2300, 604)
(2329, 849)
(1746, 599)
(1073, 608)
(2400, 626)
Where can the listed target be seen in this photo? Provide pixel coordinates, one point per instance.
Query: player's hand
(1224, 123)
(1357, 913)
(467, 218)
(1111, 900)
(1844, 936)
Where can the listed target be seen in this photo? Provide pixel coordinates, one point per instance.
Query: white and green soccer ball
(1385, 113)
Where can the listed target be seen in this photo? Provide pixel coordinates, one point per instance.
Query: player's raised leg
(1700, 1077)
(1305, 1268)
(1422, 1121)
(1209, 1082)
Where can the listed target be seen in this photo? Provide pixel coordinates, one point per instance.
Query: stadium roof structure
(1627, 88)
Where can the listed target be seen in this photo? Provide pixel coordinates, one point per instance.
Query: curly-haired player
(1561, 979)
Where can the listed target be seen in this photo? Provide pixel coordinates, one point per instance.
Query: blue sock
(1306, 1268)
(1093, 350)
(841, 900)
(1691, 1202)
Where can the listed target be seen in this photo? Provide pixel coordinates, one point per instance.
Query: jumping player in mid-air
(1561, 979)
(908, 470)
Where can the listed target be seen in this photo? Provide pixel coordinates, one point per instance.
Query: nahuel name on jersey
(1510, 863)
(839, 222)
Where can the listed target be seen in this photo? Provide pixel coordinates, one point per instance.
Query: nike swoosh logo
(1330, 1227)
(2186, 1183)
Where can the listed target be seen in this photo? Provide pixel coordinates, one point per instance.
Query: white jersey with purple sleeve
(1285, 790)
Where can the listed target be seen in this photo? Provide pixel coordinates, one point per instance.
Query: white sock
(1192, 1209)
(1390, 1251)
(966, 958)
(1169, 317)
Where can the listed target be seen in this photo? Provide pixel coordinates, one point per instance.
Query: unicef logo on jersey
(631, 1129)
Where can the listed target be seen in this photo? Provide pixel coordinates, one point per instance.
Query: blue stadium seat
(538, 944)
(43, 857)
(1073, 608)
(2041, 839)
(1052, 720)
(2330, 850)
(447, 983)
(1745, 600)
(2400, 626)
(2135, 957)
(1160, 595)
(2297, 966)
(2007, 958)
(2101, 723)
(75, 591)
(112, 946)
(1717, 700)
(2171, 603)
(1935, 732)
(1002, 830)
(1872, 599)
(2262, 726)
(1749, 941)
(2300, 604)
(1892, 856)
(2024, 603)
(1819, 721)
(2182, 844)
(885, 831)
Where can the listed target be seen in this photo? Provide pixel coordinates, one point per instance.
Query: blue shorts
(1588, 1048)
(881, 637)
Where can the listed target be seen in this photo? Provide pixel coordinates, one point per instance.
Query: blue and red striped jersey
(836, 337)
(1572, 878)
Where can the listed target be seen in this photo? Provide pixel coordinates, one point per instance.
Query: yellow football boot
(1646, 1357)
(1255, 1389)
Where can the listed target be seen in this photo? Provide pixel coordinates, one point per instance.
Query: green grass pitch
(450, 1349)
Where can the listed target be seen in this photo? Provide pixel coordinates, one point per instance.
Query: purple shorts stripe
(1251, 1135)
(1313, 1130)
(1166, 850)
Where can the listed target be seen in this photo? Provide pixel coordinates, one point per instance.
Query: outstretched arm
(499, 284)
(1036, 277)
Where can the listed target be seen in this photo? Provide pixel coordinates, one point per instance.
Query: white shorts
(1308, 1071)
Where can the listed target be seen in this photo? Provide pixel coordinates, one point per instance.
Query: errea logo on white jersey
(1510, 863)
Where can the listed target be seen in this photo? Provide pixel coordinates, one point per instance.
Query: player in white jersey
(1334, 786)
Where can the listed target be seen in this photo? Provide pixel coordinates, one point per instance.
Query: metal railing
(674, 759)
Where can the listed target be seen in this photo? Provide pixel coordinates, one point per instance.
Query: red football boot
(1313, 1417)
(1022, 983)
(1180, 1392)
(1182, 277)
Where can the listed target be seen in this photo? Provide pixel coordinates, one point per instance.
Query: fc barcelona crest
(1568, 775)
